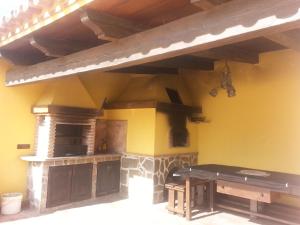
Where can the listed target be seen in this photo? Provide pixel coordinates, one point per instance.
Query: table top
(275, 181)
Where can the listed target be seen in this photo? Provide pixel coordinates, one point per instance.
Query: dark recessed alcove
(70, 140)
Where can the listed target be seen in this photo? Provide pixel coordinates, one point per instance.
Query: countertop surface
(34, 158)
(276, 181)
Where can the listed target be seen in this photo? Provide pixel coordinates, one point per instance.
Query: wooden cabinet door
(82, 182)
(59, 185)
(108, 177)
(114, 172)
(102, 178)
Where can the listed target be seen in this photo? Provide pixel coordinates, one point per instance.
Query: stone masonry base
(143, 177)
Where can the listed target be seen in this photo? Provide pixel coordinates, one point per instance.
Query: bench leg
(171, 200)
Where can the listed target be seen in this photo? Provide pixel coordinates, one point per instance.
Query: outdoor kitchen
(84, 156)
(64, 168)
(153, 111)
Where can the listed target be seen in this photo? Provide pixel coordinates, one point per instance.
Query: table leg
(188, 212)
(211, 195)
(180, 204)
(253, 208)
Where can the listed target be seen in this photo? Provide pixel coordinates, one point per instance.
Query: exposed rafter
(285, 40)
(203, 4)
(56, 48)
(235, 21)
(108, 27)
(230, 53)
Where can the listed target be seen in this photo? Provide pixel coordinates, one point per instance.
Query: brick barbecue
(49, 143)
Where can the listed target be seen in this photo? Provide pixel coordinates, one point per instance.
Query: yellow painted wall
(140, 128)
(18, 123)
(17, 126)
(260, 127)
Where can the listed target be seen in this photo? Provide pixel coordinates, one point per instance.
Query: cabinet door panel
(115, 176)
(108, 177)
(102, 178)
(59, 185)
(82, 182)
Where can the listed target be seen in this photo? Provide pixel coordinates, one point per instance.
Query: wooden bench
(177, 193)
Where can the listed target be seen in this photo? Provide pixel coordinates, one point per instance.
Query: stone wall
(150, 171)
(163, 165)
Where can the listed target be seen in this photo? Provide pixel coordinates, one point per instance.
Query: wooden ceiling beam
(147, 70)
(56, 48)
(12, 58)
(230, 53)
(18, 58)
(228, 23)
(285, 40)
(185, 62)
(108, 27)
(203, 4)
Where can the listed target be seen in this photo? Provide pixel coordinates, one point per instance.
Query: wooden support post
(188, 211)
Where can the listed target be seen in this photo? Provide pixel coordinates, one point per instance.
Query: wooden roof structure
(149, 36)
(32, 15)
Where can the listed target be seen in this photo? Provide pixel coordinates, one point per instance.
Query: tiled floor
(123, 212)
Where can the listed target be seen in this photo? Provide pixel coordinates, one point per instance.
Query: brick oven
(65, 168)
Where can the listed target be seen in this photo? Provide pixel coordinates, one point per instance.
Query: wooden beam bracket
(108, 27)
(56, 48)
